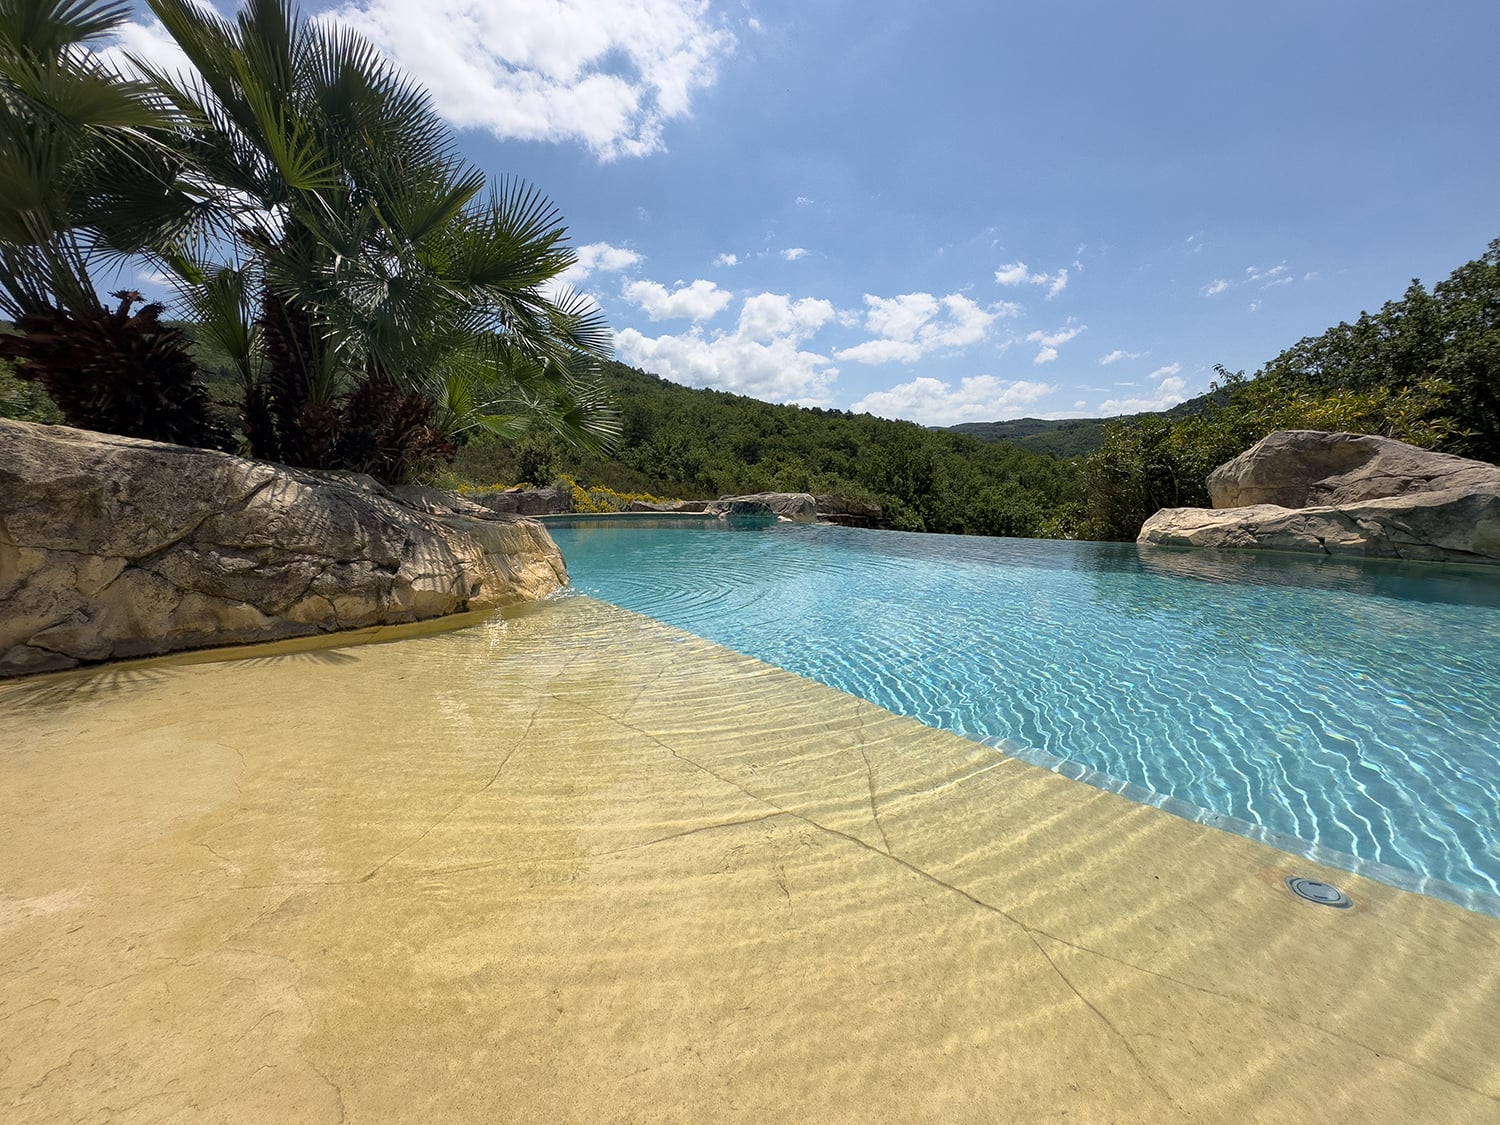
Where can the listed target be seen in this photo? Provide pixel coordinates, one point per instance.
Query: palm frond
(48, 28)
(220, 306)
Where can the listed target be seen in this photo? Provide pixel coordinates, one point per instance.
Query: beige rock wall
(112, 547)
(1310, 468)
(1343, 494)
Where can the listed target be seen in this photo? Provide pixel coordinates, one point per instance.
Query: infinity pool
(1348, 711)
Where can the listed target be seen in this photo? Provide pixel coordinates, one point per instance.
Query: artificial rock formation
(669, 507)
(840, 510)
(848, 512)
(1311, 469)
(1344, 494)
(799, 507)
(112, 547)
(526, 501)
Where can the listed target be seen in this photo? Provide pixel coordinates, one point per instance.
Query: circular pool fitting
(1324, 894)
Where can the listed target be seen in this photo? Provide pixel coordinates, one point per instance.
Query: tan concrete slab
(576, 866)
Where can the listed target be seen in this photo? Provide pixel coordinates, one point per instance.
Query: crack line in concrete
(874, 811)
(1145, 1070)
(682, 835)
(440, 821)
(1276, 1013)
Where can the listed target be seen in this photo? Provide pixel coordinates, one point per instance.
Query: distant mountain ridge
(1068, 437)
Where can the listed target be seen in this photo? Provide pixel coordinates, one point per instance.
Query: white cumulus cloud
(775, 370)
(600, 257)
(1214, 288)
(763, 356)
(876, 352)
(596, 257)
(727, 260)
(700, 300)
(911, 325)
(932, 402)
(150, 43)
(770, 316)
(605, 73)
(1017, 273)
(792, 253)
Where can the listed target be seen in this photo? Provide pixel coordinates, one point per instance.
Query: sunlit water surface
(1349, 711)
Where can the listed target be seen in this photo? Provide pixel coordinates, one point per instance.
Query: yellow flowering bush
(602, 499)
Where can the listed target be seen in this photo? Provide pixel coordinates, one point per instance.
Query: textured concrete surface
(576, 866)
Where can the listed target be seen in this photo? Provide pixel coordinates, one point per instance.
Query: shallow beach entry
(1342, 710)
(577, 865)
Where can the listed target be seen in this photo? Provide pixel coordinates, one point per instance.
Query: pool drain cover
(1324, 894)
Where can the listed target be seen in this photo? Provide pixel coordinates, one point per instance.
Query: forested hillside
(1424, 369)
(678, 441)
(1076, 437)
(1060, 437)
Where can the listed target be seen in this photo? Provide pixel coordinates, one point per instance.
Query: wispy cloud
(1171, 388)
(1051, 341)
(792, 253)
(1017, 273)
(1267, 278)
(1255, 273)
(1119, 354)
(727, 260)
(932, 402)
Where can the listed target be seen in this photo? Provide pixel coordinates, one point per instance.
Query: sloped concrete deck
(575, 866)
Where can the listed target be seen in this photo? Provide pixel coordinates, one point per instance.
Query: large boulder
(799, 507)
(1344, 494)
(1309, 468)
(112, 547)
(848, 512)
(526, 501)
(668, 507)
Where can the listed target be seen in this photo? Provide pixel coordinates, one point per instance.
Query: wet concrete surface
(573, 865)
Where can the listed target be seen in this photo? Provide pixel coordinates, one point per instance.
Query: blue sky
(974, 211)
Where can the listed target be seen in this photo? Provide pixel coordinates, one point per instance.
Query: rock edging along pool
(1344, 710)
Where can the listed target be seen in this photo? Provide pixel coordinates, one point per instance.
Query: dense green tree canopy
(1425, 369)
(695, 443)
(374, 300)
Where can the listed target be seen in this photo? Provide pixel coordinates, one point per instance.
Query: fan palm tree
(76, 138)
(375, 299)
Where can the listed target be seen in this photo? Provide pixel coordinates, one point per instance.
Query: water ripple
(1343, 709)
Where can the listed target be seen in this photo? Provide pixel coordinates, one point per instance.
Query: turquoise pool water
(1348, 711)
